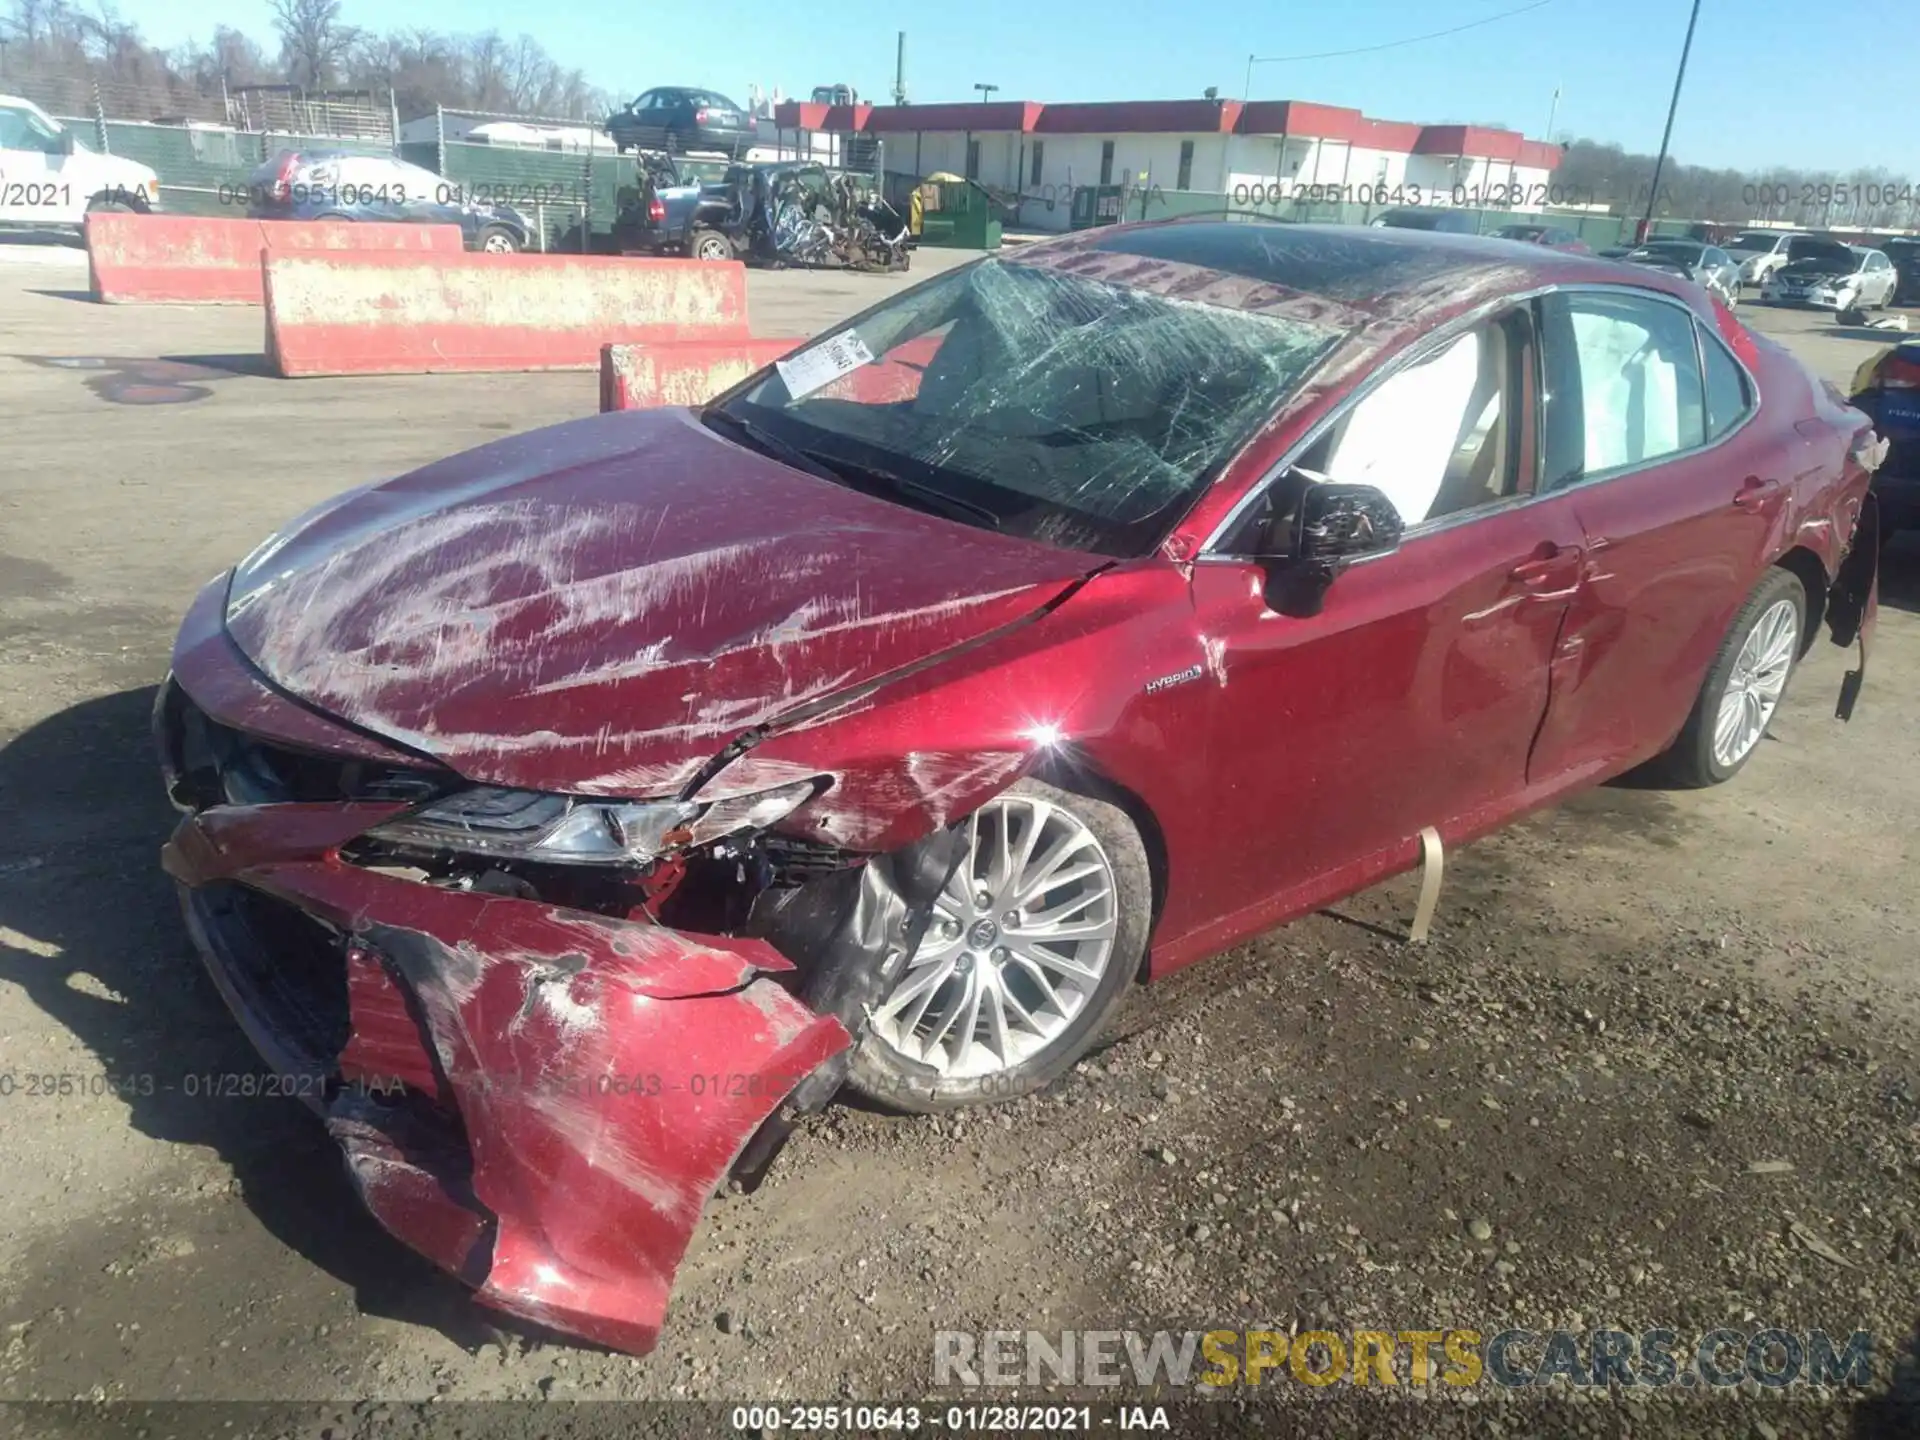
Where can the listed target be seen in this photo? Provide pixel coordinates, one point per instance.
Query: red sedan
(567, 815)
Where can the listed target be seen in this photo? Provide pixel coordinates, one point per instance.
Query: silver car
(1761, 252)
(1832, 276)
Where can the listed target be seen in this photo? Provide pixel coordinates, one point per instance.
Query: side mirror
(1335, 525)
(67, 142)
(1339, 523)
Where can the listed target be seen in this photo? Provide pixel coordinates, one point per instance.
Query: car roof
(1342, 274)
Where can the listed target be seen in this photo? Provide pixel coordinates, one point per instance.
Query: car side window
(1623, 384)
(1444, 435)
(13, 130)
(1729, 396)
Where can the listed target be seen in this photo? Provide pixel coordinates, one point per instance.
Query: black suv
(677, 119)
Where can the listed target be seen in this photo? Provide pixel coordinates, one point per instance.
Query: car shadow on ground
(90, 931)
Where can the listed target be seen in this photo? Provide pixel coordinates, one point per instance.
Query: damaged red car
(573, 813)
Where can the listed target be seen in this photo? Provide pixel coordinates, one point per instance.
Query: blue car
(1887, 387)
(340, 185)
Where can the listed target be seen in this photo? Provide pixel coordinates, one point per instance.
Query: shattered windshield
(1057, 407)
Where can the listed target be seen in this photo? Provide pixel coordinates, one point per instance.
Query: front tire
(1029, 951)
(497, 240)
(1744, 685)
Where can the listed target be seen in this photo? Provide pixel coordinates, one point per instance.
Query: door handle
(1550, 563)
(1755, 492)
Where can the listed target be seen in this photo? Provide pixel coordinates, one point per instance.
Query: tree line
(60, 48)
(59, 53)
(1856, 197)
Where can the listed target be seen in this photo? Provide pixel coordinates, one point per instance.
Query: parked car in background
(1761, 252)
(50, 178)
(339, 185)
(1552, 236)
(1428, 217)
(1203, 569)
(1887, 388)
(1904, 252)
(1706, 265)
(1832, 276)
(677, 119)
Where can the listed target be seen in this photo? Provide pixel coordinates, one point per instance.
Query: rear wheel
(1029, 951)
(1744, 684)
(709, 245)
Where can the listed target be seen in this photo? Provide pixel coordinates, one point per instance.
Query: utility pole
(1660, 163)
(1553, 112)
(900, 70)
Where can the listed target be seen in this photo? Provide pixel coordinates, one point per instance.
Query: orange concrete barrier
(195, 260)
(373, 314)
(691, 372)
(642, 377)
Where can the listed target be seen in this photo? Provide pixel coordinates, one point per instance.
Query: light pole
(1660, 162)
(986, 92)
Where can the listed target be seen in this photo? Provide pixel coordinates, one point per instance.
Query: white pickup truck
(49, 177)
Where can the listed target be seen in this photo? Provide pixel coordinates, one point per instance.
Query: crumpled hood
(600, 606)
(1816, 272)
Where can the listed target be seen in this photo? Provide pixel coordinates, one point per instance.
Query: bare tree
(313, 42)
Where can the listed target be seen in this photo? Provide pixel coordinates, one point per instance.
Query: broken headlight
(564, 829)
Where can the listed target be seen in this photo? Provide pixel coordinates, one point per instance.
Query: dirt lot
(1550, 1117)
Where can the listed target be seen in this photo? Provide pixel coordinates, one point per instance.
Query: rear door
(1653, 433)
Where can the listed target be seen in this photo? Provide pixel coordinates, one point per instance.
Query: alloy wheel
(1753, 689)
(497, 244)
(1016, 947)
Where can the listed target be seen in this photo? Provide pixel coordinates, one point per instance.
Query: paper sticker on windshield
(823, 364)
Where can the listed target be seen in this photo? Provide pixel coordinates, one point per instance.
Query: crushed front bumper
(539, 1100)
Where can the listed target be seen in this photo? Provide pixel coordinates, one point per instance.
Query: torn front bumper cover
(539, 1100)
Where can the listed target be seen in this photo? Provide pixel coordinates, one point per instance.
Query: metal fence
(565, 171)
(204, 169)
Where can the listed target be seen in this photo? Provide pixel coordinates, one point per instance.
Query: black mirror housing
(67, 142)
(1337, 523)
(1334, 525)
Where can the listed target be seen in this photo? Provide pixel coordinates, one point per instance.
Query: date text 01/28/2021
(965, 1419)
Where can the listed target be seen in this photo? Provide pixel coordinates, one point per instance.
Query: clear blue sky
(1771, 81)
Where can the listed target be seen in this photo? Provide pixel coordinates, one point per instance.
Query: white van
(48, 176)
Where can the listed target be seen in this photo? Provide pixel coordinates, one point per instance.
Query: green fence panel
(205, 171)
(549, 187)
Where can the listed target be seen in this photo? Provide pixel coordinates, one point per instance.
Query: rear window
(1728, 397)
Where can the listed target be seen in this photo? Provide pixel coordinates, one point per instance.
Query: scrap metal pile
(821, 219)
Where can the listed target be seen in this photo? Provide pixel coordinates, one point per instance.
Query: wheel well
(1805, 566)
(1074, 773)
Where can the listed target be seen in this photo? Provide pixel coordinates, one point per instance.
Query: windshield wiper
(928, 496)
(766, 441)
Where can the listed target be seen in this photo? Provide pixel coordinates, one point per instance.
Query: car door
(1677, 492)
(25, 175)
(679, 132)
(1413, 695)
(1881, 278)
(649, 121)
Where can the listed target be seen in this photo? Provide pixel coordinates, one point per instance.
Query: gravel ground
(1656, 1069)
